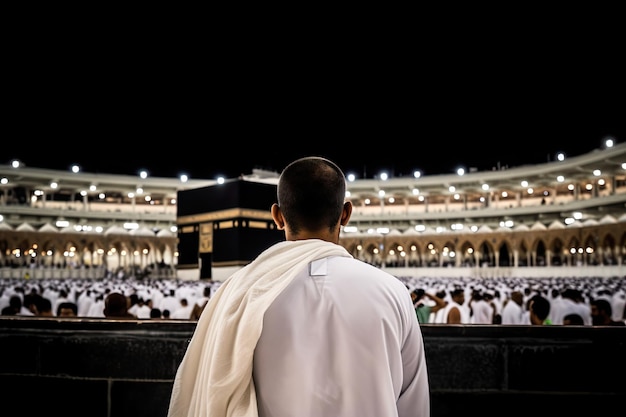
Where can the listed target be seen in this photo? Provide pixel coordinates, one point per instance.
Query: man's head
(518, 297)
(311, 193)
(67, 309)
(115, 305)
(539, 308)
(601, 312)
(458, 295)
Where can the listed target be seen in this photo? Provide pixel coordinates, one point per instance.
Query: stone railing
(100, 367)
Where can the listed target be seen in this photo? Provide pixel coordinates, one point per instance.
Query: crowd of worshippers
(596, 301)
(593, 301)
(113, 298)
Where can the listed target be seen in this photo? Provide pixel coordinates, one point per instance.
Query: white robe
(513, 313)
(215, 377)
(341, 340)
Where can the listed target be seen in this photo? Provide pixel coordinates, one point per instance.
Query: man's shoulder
(357, 263)
(360, 267)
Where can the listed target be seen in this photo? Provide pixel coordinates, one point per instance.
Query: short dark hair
(602, 305)
(574, 319)
(67, 305)
(311, 193)
(115, 304)
(541, 306)
(457, 291)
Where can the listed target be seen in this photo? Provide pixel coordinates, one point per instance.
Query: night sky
(171, 111)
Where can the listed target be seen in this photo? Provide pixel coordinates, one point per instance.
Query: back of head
(518, 297)
(541, 306)
(573, 319)
(15, 302)
(311, 193)
(44, 307)
(116, 305)
(458, 294)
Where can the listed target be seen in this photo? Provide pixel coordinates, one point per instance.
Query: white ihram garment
(513, 313)
(341, 340)
(215, 376)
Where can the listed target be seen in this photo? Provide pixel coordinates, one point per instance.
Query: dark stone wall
(108, 368)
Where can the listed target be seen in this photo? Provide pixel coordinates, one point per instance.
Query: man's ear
(346, 213)
(277, 215)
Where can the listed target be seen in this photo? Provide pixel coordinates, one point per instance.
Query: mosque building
(561, 218)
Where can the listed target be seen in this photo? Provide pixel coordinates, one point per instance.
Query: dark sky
(167, 144)
(363, 148)
(169, 110)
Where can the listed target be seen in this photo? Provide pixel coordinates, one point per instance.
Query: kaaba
(225, 224)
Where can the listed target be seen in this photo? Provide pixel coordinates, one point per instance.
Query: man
(305, 329)
(513, 310)
(455, 311)
(424, 308)
(602, 313)
(538, 310)
(116, 306)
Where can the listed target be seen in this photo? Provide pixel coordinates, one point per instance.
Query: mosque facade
(561, 217)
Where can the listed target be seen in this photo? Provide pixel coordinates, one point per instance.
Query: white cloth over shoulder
(341, 340)
(215, 376)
